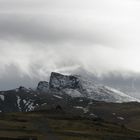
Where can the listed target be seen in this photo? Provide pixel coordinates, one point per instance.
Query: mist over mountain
(128, 84)
(38, 37)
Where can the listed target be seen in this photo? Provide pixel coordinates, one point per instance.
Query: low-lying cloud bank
(37, 37)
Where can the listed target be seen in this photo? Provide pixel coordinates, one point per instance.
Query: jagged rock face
(59, 81)
(43, 86)
(61, 88)
(84, 87)
(20, 100)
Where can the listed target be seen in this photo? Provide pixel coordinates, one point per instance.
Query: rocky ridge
(60, 89)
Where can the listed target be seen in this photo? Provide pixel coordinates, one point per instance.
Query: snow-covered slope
(104, 93)
(78, 86)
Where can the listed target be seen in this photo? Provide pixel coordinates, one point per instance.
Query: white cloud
(41, 36)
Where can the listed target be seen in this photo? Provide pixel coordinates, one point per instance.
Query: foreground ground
(46, 125)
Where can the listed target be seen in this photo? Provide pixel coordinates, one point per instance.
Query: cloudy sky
(40, 36)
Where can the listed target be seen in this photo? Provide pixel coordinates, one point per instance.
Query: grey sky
(40, 36)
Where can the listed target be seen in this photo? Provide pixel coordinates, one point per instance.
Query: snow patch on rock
(85, 110)
(2, 97)
(18, 103)
(120, 118)
(72, 93)
(43, 104)
(59, 97)
(24, 101)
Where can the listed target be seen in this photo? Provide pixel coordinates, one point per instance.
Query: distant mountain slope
(83, 87)
(61, 89)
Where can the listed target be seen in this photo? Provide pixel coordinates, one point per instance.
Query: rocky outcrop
(19, 100)
(59, 81)
(43, 86)
(77, 86)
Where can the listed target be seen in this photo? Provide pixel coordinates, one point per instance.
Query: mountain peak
(79, 86)
(21, 88)
(60, 87)
(70, 84)
(60, 81)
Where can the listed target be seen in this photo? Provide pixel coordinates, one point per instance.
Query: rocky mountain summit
(59, 81)
(66, 89)
(77, 86)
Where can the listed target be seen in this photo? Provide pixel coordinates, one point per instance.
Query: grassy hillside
(53, 125)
